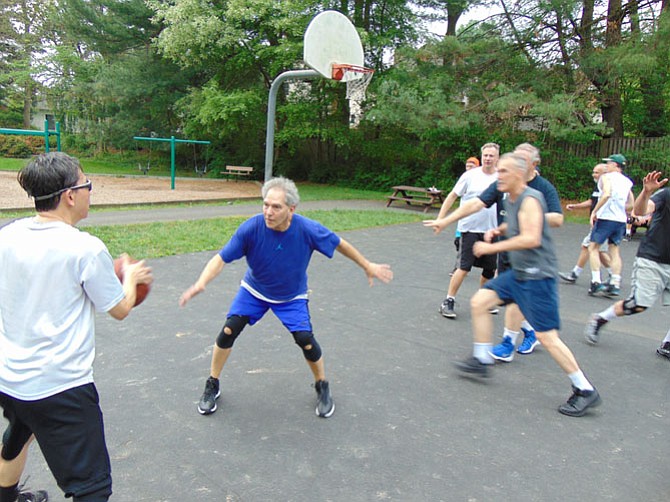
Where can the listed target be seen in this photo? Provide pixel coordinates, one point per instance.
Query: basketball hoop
(357, 79)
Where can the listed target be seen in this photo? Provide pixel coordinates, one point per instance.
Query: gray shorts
(650, 281)
(587, 240)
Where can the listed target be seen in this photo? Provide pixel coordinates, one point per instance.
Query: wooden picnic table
(426, 197)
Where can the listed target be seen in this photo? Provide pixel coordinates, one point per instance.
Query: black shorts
(468, 260)
(69, 430)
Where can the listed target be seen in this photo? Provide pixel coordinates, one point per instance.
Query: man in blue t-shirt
(278, 245)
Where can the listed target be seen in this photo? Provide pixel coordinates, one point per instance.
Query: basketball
(141, 291)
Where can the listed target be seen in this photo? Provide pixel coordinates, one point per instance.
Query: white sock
(481, 352)
(595, 276)
(667, 337)
(615, 279)
(577, 270)
(580, 381)
(527, 326)
(608, 314)
(512, 334)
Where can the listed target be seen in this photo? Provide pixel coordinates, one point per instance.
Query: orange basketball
(141, 291)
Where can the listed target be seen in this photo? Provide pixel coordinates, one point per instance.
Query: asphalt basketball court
(406, 426)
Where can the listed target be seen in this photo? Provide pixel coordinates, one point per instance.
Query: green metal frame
(46, 133)
(172, 142)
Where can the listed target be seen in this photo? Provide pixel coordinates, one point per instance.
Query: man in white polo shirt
(473, 227)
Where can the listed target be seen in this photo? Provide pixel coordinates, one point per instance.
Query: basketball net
(357, 79)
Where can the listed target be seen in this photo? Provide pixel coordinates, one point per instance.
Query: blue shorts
(294, 314)
(608, 231)
(537, 299)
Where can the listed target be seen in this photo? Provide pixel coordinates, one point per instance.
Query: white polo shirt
(470, 185)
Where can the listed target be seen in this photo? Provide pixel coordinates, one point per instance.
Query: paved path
(406, 427)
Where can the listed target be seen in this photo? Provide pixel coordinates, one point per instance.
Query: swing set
(173, 142)
(46, 133)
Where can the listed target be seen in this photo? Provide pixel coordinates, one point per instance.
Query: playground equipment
(333, 49)
(173, 141)
(46, 133)
(201, 166)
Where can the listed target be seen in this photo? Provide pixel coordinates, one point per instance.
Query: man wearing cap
(608, 220)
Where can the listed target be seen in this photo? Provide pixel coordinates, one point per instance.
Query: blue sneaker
(504, 351)
(529, 342)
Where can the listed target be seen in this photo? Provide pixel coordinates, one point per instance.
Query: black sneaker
(473, 366)
(664, 350)
(592, 329)
(597, 289)
(447, 308)
(570, 277)
(31, 496)
(37, 496)
(207, 404)
(325, 406)
(579, 402)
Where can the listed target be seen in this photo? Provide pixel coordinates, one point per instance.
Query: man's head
(471, 162)
(532, 156)
(616, 161)
(280, 198)
(512, 171)
(598, 171)
(490, 154)
(52, 177)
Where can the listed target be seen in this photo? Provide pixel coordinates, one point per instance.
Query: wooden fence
(608, 146)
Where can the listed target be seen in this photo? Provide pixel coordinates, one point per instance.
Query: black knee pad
(305, 339)
(488, 274)
(235, 323)
(631, 307)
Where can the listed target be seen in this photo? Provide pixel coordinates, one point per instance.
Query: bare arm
(531, 220)
(212, 269)
(446, 205)
(133, 274)
(470, 207)
(554, 219)
(382, 272)
(579, 205)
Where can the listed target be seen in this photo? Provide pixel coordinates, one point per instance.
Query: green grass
(154, 240)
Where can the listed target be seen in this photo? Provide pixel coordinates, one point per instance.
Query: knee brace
(310, 347)
(488, 274)
(231, 330)
(631, 307)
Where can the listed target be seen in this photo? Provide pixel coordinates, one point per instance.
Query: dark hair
(47, 174)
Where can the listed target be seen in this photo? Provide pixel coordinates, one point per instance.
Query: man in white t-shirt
(53, 278)
(608, 219)
(472, 228)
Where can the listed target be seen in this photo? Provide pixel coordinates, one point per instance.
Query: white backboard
(331, 39)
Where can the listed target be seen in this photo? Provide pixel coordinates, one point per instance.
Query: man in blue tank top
(278, 245)
(531, 283)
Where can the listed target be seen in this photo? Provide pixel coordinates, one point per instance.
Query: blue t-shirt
(277, 261)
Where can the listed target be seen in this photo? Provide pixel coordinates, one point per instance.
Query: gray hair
(533, 150)
(292, 198)
(518, 161)
(491, 145)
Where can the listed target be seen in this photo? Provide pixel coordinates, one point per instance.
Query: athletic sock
(615, 280)
(667, 337)
(580, 381)
(512, 334)
(9, 493)
(481, 351)
(609, 314)
(527, 326)
(577, 270)
(595, 276)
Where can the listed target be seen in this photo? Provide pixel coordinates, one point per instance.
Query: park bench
(426, 197)
(238, 171)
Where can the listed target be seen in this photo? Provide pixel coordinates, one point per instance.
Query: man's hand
(652, 182)
(437, 225)
(481, 248)
(379, 271)
(190, 293)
